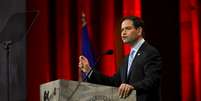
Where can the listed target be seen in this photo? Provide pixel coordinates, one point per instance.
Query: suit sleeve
(152, 70)
(98, 78)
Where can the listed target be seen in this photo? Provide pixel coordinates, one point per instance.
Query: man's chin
(125, 42)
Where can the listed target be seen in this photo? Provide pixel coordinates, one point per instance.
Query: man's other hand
(124, 90)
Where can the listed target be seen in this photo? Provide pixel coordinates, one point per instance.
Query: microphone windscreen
(109, 52)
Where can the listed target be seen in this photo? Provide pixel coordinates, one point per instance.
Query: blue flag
(86, 47)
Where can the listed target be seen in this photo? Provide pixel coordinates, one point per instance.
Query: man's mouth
(124, 37)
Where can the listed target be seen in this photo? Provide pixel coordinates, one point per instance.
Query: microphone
(108, 52)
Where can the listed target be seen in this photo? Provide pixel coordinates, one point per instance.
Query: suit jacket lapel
(124, 70)
(136, 59)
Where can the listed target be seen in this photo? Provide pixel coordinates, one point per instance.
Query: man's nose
(123, 33)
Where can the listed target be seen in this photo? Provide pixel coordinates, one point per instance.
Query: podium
(66, 90)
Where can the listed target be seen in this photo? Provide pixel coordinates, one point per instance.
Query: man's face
(129, 33)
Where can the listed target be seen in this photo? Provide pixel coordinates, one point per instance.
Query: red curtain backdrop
(53, 44)
(190, 50)
(38, 56)
(63, 43)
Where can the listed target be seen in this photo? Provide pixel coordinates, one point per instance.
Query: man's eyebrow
(127, 27)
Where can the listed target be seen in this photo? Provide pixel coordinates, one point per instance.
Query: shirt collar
(138, 45)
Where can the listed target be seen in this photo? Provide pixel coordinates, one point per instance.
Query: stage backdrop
(190, 34)
(54, 42)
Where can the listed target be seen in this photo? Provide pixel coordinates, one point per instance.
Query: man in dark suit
(139, 71)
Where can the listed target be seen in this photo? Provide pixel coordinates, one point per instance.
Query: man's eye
(128, 28)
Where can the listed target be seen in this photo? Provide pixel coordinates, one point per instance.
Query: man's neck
(137, 41)
(138, 44)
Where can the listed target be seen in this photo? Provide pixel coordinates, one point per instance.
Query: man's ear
(139, 30)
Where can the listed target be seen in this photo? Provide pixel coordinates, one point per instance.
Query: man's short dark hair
(137, 21)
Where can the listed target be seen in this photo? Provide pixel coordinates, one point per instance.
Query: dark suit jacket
(144, 74)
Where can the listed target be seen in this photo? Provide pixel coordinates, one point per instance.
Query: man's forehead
(127, 22)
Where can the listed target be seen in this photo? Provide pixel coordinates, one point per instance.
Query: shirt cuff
(89, 73)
